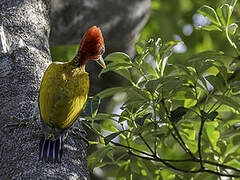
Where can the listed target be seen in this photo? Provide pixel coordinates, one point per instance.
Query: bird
(63, 93)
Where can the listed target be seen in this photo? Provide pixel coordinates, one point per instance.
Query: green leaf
(147, 127)
(217, 83)
(124, 73)
(111, 91)
(152, 85)
(115, 66)
(226, 13)
(184, 93)
(206, 55)
(231, 149)
(211, 116)
(118, 57)
(91, 106)
(119, 61)
(150, 169)
(124, 116)
(221, 17)
(235, 86)
(213, 135)
(109, 138)
(142, 92)
(96, 158)
(140, 47)
(178, 113)
(140, 121)
(211, 27)
(210, 13)
(227, 101)
(103, 116)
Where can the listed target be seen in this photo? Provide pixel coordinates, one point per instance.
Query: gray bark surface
(25, 55)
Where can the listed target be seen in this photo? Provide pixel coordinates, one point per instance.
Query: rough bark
(24, 56)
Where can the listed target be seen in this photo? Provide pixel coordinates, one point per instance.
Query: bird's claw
(78, 133)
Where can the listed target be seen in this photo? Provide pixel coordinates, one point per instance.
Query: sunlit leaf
(210, 13)
(145, 127)
(227, 101)
(226, 13)
(111, 91)
(206, 55)
(114, 66)
(211, 27)
(125, 73)
(213, 135)
(96, 158)
(216, 82)
(118, 57)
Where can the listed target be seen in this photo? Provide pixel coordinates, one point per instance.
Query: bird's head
(92, 46)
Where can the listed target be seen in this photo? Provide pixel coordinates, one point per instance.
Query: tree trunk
(24, 56)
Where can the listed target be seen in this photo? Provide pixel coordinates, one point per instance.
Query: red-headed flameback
(63, 93)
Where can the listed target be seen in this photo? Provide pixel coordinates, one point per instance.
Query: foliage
(176, 122)
(170, 19)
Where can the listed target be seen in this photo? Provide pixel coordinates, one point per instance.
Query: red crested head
(92, 46)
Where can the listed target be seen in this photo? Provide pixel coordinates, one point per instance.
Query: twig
(178, 137)
(199, 142)
(183, 170)
(149, 147)
(164, 161)
(181, 140)
(155, 128)
(131, 148)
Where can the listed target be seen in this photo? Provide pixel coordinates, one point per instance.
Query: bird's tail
(50, 150)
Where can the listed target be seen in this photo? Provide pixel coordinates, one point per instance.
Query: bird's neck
(79, 61)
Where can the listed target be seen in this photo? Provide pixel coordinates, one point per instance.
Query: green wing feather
(63, 93)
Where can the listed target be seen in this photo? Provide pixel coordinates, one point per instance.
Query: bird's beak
(101, 61)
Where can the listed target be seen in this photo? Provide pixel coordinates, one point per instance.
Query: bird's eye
(102, 49)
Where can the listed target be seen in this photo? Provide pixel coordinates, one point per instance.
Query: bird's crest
(92, 44)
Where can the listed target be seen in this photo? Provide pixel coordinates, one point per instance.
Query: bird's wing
(63, 93)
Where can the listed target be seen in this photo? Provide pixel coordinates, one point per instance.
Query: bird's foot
(20, 123)
(80, 134)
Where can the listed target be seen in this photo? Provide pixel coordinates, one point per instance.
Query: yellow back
(63, 93)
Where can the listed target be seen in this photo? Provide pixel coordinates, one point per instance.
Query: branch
(181, 140)
(178, 137)
(199, 142)
(149, 147)
(165, 162)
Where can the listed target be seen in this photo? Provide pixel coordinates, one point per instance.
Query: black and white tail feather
(50, 150)
(51, 143)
